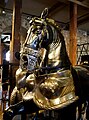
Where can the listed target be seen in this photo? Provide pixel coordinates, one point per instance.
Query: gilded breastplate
(56, 90)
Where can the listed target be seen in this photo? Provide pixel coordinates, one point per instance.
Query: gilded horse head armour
(48, 79)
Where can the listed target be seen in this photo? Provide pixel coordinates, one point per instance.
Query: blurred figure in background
(5, 75)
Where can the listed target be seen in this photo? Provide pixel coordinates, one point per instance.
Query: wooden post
(15, 41)
(73, 33)
(16, 24)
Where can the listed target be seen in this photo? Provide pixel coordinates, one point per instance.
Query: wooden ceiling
(59, 10)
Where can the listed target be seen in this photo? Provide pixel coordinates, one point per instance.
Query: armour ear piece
(17, 55)
(44, 13)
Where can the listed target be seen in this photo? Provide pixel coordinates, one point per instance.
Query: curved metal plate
(55, 92)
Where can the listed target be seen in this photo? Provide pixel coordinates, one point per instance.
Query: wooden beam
(73, 33)
(79, 3)
(15, 41)
(83, 20)
(56, 7)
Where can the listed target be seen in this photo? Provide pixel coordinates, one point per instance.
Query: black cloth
(5, 72)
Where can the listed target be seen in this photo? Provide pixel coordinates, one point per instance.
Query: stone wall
(5, 21)
(82, 43)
